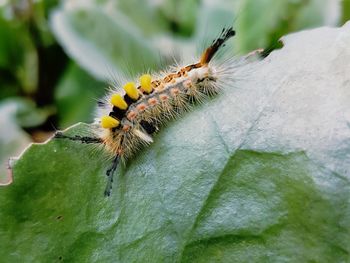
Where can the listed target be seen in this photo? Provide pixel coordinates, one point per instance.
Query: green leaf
(285, 16)
(258, 174)
(103, 41)
(214, 15)
(125, 38)
(345, 10)
(18, 56)
(181, 15)
(28, 115)
(12, 138)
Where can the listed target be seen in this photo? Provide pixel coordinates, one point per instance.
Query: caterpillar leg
(110, 172)
(82, 139)
(148, 127)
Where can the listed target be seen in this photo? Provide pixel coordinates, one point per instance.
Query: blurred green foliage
(60, 55)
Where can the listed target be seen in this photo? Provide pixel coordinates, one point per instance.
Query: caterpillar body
(126, 119)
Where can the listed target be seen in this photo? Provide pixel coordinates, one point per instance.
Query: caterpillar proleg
(126, 119)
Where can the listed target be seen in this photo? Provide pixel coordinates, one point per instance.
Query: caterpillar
(127, 119)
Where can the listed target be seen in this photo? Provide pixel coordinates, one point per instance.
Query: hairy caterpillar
(127, 119)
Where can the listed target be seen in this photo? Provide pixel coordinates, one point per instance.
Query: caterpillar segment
(127, 131)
